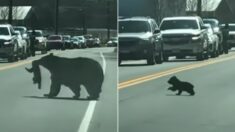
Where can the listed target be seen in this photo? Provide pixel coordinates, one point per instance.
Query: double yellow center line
(143, 79)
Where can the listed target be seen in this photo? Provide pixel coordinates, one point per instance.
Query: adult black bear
(180, 86)
(70, 72)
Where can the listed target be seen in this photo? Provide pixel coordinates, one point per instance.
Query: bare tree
(191, 5)
(4, 12)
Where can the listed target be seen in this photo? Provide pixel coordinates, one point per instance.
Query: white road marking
(91, 107)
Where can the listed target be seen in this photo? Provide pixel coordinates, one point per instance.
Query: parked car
(216, 27)
(112, 42)
(55, 42)
(97, 42)
(24, 33)
(213, 41)
(231, 37)
(40, 44)
(9, 47)
(139, 38)
(184, 36)
(83, 41)
(67, 41)
(90, 41)
(76, 43)
(22, 44)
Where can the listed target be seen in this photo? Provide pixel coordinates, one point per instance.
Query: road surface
(24, 109)
(145, 104)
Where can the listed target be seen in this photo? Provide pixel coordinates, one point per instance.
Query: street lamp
(57, 17)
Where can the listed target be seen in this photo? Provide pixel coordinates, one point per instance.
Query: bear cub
(180, 86)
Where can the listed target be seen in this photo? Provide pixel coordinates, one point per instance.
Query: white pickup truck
(9, 47)
(184, 36)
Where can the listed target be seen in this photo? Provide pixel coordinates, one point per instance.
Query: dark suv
(139, 38)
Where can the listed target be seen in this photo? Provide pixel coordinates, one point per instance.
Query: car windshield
(66, 38)
(22, 30)
(37, 33)
(4, 31)
(211, 22)
(178, 24)
(133, 26)
(54, 38)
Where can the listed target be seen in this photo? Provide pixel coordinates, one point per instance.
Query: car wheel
(151, 59)
(165, 58)
(200, 57)
(159, 58)
(206, 56)
(11, 59)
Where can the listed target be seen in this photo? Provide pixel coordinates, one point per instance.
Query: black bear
(72, 73)
(180, 86)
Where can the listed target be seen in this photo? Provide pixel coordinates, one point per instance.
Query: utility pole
(83, 11)
(108, 20)
(57, 17)
(199, 7)
(10, 11)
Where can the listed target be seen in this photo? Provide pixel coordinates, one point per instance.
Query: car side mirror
(14, 33)
(203, 27)
(156, 31)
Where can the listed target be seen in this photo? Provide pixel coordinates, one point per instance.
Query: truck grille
(128, 42)
(176, 39)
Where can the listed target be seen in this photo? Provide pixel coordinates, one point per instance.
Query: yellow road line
(15, 65)
(169, 72)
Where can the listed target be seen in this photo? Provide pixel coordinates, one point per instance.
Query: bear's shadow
(57, 98)
(178, 95)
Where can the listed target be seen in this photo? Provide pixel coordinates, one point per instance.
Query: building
(223, 10)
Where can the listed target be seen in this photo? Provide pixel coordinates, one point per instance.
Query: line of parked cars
(15, 42)
(141, 38)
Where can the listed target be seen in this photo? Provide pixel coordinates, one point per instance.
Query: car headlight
(8, 42)
(196, 37)
(216, 29)
(40, 41)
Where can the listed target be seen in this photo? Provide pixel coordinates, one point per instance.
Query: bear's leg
(76, 91)
(179, 92)
(93, 91)
(191, 92)
(54, 90)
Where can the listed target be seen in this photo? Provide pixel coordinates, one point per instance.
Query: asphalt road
(24, 109)
(145, 104)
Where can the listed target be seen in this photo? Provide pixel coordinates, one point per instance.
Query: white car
(82, 39)
(184, 36)
(22, 43)
(213, 41)
(8, 43)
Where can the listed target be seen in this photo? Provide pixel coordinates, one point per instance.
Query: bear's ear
(51, 54)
